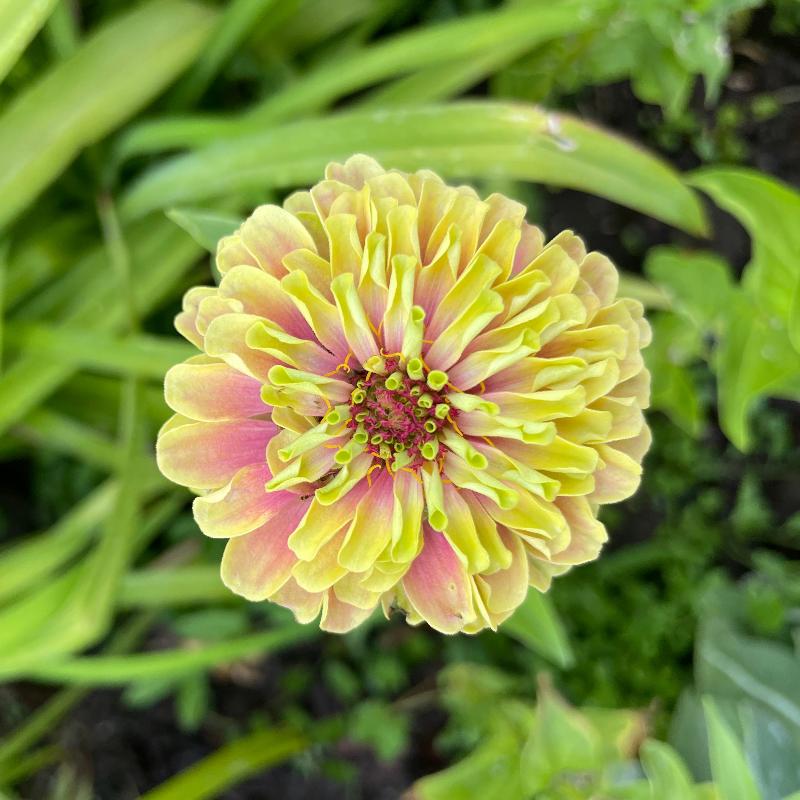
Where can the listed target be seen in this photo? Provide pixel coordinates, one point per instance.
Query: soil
(127, 751)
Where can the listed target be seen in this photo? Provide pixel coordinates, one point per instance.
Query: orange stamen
(370, 471)
(414, 473)
(453, 423)
(488, 440)
(483, 387)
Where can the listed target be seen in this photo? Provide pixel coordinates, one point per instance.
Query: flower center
(397, 416)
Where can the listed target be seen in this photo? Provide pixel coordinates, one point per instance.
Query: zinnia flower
(406, 398)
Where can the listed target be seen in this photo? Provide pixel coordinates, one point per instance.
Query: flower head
(405, 397)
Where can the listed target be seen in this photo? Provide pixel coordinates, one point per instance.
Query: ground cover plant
(135, 136)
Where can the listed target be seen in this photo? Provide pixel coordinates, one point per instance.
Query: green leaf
(760, 670)
(773, 750)
(143, 355)
(160, 255)
(230, 765)
(699, 283)
(668, 776)
(205, 227)
(137, 55)
(728, 766)
(192, 701)
(117, 670)
(754, 359)
(674, 349)
(19, 22)
(493, 767)
(769, 210)
(465, 139)
(536, 624)
(562, 740)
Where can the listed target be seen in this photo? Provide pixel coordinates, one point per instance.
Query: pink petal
(212, 391)
(258, 564)
(340, 617)
(271, 232)
(437, 585)
(206, 455)
(240, 506)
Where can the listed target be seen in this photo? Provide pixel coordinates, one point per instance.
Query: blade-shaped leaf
(137, 55)
(466, 139)
(729, 768)
(19, 22)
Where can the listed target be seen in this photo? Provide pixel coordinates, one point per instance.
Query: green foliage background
(132, 136)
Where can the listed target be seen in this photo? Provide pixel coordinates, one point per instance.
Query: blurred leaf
(154, 588)
(205, 227)
(381, 727)
(116, 670)
(230, 765)
(461, 139)
(234, 25)
(19, 22)
(732, 665)
(492, 770)
(728, 766)
(769, 210)
(668, 776)
(137, 55)
(411, 51)
(699, 283)
(562, 740)
(754, 359)
(211, 624)
(143, 355)
(536, 624)
(192, 701)
(160, 255)
(688, 735)
(675, 347)
(773, 751)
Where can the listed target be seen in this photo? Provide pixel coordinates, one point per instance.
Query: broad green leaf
(230, 765)
(676, 346)
(562, 740)
(668, 776)
(769, 210)
(699, 283)
(737, 666)
(205, 227)
(773, 751)
(687, 734)
(728, 765)
(19, 22)
(465, 139)
(492, 769)
(536, 624)
(137, 55)
(755, 359)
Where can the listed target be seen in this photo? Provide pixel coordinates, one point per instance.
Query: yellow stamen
(488, 440)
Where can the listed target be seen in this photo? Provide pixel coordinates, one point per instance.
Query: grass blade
(137, 54)
(118, 670)
(231, 764)
(466, 139)
(19, 22)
